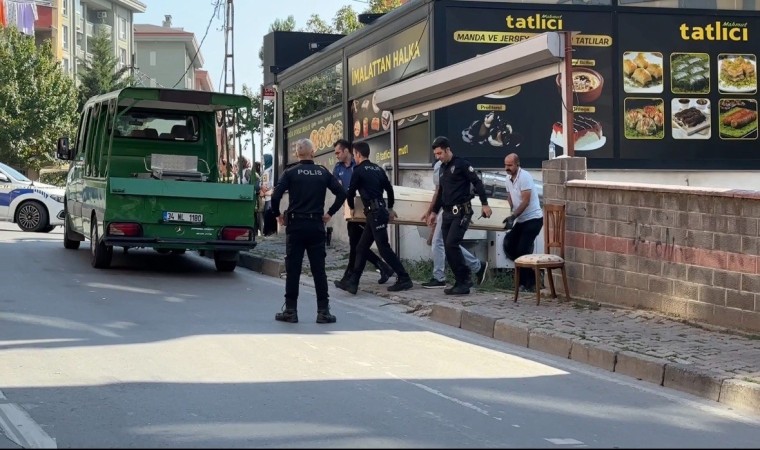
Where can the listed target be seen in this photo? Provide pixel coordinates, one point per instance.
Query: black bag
(270, 221)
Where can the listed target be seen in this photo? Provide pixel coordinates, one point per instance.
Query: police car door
(6, 186)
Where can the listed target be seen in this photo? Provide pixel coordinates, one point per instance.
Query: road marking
(22, 429)
(564, 441)
(447, 397)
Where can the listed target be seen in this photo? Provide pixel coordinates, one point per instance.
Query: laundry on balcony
(19, 13)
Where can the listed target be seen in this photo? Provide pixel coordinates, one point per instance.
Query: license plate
(171, 216)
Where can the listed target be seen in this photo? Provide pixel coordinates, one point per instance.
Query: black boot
(341, 284)
(324, 316)
(352, 285)
(385, 273)
(401, 284)
(287, 315)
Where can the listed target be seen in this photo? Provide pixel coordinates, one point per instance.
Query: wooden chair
(554, 237)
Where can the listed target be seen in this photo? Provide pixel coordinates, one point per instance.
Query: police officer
(456, 177)
(343, 171)
(370, 181)
(305, 220)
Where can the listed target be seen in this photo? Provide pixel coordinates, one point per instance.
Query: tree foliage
(253, 124)
(37, 101)
(316, 24)
(346, 21)
(101, 74)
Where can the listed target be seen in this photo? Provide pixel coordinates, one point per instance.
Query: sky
(252, 20)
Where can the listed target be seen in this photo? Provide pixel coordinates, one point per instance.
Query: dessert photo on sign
(691, 118)
(642, 72)
(738, 118)
(737, 74)
(644, 118)
(587, 134)
(690, 73)
(493, 130)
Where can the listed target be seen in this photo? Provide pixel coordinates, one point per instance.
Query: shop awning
(537, 57)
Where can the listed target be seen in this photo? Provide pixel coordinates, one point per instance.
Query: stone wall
(692, 253)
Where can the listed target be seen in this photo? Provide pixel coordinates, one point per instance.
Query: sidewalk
(709, 362)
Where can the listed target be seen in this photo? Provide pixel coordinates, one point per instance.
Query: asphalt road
(163, 351)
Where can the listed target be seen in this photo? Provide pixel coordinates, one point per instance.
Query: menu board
(527, 118)
(413, 141)
(689, 89)
(323, 130)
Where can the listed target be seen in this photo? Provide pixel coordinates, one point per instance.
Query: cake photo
(587, 134)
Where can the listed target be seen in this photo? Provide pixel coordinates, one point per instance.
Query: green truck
(145, 173)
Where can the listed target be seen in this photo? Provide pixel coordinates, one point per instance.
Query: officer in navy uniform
(307, 184)
(370, 181)
(343, 170)
(456, 177)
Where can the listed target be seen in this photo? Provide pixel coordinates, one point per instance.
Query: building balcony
(44, 18)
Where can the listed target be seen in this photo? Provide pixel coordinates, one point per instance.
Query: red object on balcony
(44, 17)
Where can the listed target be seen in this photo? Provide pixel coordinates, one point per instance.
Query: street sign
(267, 93)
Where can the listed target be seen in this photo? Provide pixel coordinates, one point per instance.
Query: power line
(216, 9)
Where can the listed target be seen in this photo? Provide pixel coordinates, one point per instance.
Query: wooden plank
(411, 203)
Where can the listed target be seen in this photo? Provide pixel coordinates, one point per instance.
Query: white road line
(561, 441)
(22, 429)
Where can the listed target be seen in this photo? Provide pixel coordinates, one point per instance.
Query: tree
(100, 74)
(37, 101)
(288, 24)
(253, 124)
(346, 21)
(315, 24)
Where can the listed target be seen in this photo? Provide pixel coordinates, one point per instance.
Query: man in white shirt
(526, 219)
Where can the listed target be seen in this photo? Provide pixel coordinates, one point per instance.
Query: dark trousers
(452, 230)
(519, 241)
(376, 229)
(305, 235)
(355, 231)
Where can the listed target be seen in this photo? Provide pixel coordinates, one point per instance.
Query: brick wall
(688, 252)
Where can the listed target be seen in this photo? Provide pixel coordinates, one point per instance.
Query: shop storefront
(657, 85)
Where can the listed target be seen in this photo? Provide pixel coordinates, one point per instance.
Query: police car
(32, 206)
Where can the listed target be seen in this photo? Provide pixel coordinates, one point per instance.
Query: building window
(316, 93)
(122, 57)
(66, 65)
(65, 37)
(152, 58)
(122, 28)
(65, 7)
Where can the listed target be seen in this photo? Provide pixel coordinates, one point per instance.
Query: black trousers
(305, 235)
(519, 241)
(355, 231)
(376, 229)
(452, 230)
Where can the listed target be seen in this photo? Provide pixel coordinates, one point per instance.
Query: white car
(32, 206)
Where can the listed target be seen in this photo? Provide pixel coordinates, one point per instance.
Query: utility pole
(230, 121)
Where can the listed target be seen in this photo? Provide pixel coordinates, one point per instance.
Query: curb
(731, 392)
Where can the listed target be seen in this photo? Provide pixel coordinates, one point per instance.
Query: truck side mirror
(64, 151)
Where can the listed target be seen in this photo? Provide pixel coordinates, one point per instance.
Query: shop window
(314, 94)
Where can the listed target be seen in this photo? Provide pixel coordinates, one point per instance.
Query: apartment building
(167, 56)
(69, 24)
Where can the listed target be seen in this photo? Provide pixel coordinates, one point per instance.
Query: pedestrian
(370, 181)
(457, 176)
(526, 219)
(304, 220)
(343, 170)
(476, 266)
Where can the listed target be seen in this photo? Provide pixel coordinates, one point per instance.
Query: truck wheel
(68, 233)
(225, 262)
(31, 216)
(100, 253)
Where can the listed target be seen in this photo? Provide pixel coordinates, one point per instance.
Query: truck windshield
(157, 125)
